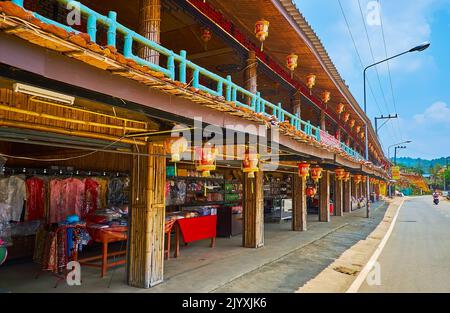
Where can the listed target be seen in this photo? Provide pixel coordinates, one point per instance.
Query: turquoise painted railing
(224, 87)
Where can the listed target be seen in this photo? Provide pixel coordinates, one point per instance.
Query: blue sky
(421, 81)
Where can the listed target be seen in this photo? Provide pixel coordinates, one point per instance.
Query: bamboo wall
(146, 230)
(22, 111)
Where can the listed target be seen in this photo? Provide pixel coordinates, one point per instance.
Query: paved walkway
(287, 260)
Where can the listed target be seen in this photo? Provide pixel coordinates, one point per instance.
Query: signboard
(395, 172)
(329, 140)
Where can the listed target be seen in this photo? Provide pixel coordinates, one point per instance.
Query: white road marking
(357, 283)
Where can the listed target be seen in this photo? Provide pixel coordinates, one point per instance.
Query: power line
(389, 69)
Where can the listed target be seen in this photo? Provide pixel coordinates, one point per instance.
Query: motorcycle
(436, 201)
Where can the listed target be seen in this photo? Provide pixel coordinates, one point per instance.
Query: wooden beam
(299, 208)
(253, 232)
(339, 198)
(324, 206)
(147, 219)
(209, 53)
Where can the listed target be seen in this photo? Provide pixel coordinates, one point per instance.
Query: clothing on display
(35, 208)
(13, 193)
(116, 192)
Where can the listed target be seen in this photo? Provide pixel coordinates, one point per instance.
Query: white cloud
(437, 113)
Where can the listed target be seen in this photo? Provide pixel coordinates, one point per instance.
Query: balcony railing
(224, 87)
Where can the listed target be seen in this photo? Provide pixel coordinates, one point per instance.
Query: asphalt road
(416, 257)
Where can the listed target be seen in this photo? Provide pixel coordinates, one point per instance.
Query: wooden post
(299, 209)
(323, 124)
(147, 218)
(339, 198)
(253, 226)
(251, 74)
(347, 197)
(324, 207)
(150, 27)
(354, 194)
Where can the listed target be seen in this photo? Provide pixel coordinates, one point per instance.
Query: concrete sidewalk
(226, 268)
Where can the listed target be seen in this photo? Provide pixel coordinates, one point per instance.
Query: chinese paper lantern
(262, 31)
(176, 147)
(326, 96)
(358, 129)
(316, 173)
(206, 36)
(310, 82)
(340, 108)
(206, 159)
(340, 174)
(347, 177)
(364, 179)
(292, 63)
(362, 135)
(357, 179)
(346, 117)
(303, 170)
(250, 164)
(352, 123)
(310, 192)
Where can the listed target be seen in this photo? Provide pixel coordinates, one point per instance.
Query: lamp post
(389, 157)
(419, 48)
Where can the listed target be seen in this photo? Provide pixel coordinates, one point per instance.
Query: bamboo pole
(150, 27)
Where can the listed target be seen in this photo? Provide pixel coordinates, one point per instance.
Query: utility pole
(395, 155)
(387, 118)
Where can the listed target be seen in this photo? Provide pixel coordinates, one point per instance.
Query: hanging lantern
(250, 164)
(303, 170)
(340, 174)
(262, 31)
(346, 117)
(362, 135)
(205, 159)
(357, 179)
(310, 82)
(347, 177)
(292, 63)
(176, 146)
(326, 96)
(352, 123)
(206, 36)
(310, 192)
(358, 129)
(364, 179)
(316, 173)
(340, 108)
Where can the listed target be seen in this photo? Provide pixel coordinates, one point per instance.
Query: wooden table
(105, 237)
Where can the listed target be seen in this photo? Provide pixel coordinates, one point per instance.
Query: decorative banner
(329, 140)
(395, 172)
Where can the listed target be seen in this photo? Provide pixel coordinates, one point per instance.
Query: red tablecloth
(198, 228)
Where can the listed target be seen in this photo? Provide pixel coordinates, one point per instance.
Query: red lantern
(364, 179)
(310, 192)
(326, 96)
(347, 177)
(292, 63)
(340, 174)
(316, 173)
(250, 164)
(346, 117)
(310, 82)
(262, 31)
(340, 108)
(358, 129)
(206, 159)
(362, 135)
(206, 36)
(357, 179)
(352, 123)
(303, 170)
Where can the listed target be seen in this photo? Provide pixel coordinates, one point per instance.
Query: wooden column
(251, 74)
(324, 205)
(354, 195)
(347, 197)
(323, 124)
(150, 27)
(299, 208)
(339, 198)
(147, 214)
(253, 232)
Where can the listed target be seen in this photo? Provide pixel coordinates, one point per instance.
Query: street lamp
(419, 48)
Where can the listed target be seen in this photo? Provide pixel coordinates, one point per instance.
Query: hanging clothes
(116, 192)
(103, 192)
(67, 198)
(92, 190)
(13, 193)
(35, 208)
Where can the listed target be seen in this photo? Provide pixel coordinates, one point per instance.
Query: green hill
(422, 164)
